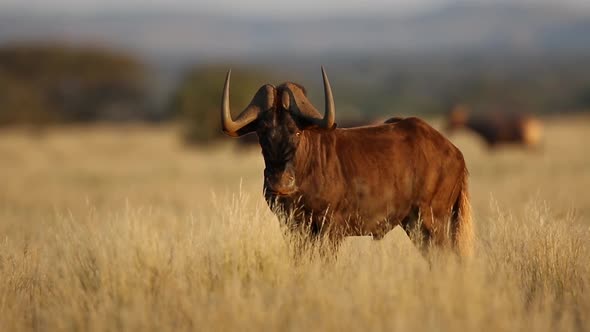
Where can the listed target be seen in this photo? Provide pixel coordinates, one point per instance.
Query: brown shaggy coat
(366, 180)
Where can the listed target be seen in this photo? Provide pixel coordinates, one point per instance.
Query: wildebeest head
(278, 115)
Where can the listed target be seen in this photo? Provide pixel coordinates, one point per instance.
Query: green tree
(197, 101)
(49, 83)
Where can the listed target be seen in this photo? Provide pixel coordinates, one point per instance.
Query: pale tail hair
(462, 223)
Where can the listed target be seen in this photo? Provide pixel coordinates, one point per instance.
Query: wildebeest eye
(298, 133)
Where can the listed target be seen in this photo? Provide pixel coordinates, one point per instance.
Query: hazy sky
(252, 7)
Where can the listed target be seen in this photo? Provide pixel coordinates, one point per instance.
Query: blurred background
(70, 62)
(124, 208)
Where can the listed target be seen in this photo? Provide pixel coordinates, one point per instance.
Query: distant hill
(496, 28)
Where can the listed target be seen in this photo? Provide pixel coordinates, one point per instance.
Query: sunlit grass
(110, 229)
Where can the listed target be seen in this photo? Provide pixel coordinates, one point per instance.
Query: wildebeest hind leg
(416, 231)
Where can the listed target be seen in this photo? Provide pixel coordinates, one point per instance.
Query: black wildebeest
(497, 128)
(356, 181)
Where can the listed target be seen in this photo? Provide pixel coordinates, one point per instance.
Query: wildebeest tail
(532, 132)
(462, 224)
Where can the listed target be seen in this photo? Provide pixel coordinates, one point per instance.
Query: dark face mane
(279, 137)
(279, 115)
(279, 134)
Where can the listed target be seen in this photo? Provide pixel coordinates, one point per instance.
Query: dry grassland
(111, 229)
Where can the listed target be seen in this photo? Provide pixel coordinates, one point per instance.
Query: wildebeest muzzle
(280, 181)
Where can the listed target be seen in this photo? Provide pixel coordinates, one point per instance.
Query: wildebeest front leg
(305, 244)
(298, 235)
(329, 244)
(328, 234)
(306, 236)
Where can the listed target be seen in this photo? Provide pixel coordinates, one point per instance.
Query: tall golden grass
(111, 229)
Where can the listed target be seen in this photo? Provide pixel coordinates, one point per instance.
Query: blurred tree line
(43, 84)
(373, 88)
(197, 100)
(432, 84)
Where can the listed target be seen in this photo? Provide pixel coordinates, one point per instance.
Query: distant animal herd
(497, 129)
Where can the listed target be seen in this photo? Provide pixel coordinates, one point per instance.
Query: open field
(106, 229)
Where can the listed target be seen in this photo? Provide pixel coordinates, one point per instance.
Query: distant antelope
(498, 128)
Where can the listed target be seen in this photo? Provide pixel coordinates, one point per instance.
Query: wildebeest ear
(267, 96)
(264, 100)
(285, 100)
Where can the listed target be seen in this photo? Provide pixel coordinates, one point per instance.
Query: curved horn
(294, 97)
(330, 109)
(229, 126)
